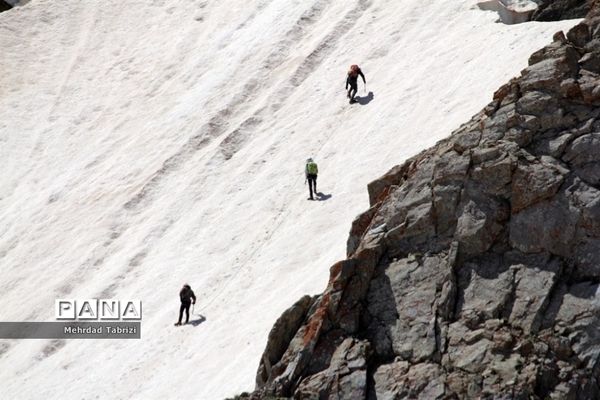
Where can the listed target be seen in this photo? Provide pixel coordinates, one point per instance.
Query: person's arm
(316, 168)
(193, 296)
(347, 81)
(362, 75)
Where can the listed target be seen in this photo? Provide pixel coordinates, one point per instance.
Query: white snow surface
(145, 144)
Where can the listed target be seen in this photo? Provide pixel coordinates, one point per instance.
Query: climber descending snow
(311, 170)
(352, 81)
(187, 297)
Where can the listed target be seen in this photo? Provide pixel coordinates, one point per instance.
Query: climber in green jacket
(311, 170)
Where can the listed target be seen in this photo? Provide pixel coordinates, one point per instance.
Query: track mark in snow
(235, 140)
(378, 52)
(52, 347)
(219, 123)
(66, 288)
(4, 347)
(111, 289)
(89, 22)
(294, 36)
(131, 270)
(136, 260)
(315, 58)
(213, 128)
(259, 8)
(7, 249)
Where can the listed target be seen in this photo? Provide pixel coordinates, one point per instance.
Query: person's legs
(353, 91)
(315, 184)
(310, 186)
(181, 308)
(187, 312)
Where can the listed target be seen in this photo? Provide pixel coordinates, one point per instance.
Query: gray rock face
(403, 322)
(397, 381)
(476, 271)
(280, 337)
(345, 377)
(555, 10)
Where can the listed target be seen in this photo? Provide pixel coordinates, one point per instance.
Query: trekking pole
(193, 305)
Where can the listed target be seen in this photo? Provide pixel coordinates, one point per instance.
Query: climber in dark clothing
(352, 81)
(187, 297)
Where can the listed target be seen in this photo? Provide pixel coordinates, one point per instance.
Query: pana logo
(97, 309)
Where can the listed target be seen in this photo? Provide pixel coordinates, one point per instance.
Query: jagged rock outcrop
(476, 271)
(555, 10)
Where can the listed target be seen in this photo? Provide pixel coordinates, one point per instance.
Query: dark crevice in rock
(4, 6)
(439, 341)
(510, 299)
(545, 306)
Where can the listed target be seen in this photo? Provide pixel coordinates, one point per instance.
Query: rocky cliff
(476, 271)
(554, 10)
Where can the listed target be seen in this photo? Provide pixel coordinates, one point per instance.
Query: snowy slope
(144, 144)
